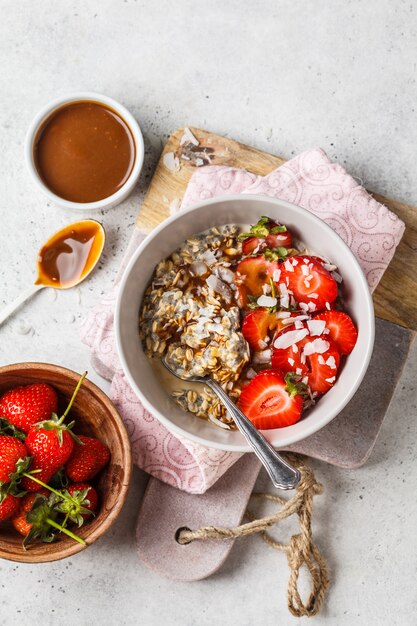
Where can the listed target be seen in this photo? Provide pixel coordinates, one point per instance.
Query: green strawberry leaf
(278, 229)
(277, 254)
(257, 230)
(7, 428)
(294, 386)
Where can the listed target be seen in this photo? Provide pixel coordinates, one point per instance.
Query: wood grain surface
(95, 416)
(395, 298)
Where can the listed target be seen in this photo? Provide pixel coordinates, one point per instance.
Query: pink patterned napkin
(310, 180)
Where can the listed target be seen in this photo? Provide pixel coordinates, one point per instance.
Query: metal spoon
(70, 260)
(283, 475)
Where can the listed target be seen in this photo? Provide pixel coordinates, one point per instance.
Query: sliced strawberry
(253, 243)
(289, 358)
(341, 329)
(267, 402)
(256, 272)
(323, 368)
(318, 361)
(241, 296)
(310, 283)
(256, 325)
(279, 239)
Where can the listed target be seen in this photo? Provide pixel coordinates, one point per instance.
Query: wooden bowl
(96, 416)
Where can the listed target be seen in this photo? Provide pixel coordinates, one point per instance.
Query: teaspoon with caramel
(66, 259)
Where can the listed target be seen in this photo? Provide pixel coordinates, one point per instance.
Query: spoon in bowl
(282, 474)
(66, 259)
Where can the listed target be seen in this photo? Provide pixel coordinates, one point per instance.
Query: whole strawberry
(19, 519)
(50, 443)
(24, 406)
(9, 504)
(87, 459)
(87, 497)
(12, 451)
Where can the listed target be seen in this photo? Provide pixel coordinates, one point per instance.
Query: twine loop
(301, 549)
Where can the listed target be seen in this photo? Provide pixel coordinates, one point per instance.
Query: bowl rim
(310, 429)
(56, 104)
(70, 548)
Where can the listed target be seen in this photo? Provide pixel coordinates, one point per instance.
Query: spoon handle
(25, 295)
(283, 475)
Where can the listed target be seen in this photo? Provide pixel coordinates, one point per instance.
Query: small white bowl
(122, 193)
(238, 209)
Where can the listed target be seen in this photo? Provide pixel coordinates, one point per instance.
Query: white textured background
(283, 76)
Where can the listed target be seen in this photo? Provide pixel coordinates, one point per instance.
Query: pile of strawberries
(293, 323)
(45, 468)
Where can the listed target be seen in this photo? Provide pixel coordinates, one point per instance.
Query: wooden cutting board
(395, 298)
(346, 442)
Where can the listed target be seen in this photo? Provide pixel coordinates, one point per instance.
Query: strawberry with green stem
(50, 443)
(27, 405)
(81, 504)
(36, 519)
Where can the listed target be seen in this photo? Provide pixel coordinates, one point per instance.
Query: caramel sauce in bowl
(85, 151)
(70, 255)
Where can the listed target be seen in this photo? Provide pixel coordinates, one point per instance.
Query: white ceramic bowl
(239, 209)
(122, 193)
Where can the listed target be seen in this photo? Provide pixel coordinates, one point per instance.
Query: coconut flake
(264, 356)
(316, 327)
(304, 269)
(284, 302)
(276, 275)
(288, 266)
(328, 307)
(267, 301)
(313, 295)
(219, 287)
(198, 268)
(171, 162)
(331, 379)
(321, 360)
(291, 361)
(283, 314)
(199, 162)
(266, 288)
(250, 373)
(331, 362)
(337, 277)
(209, 257)
(285, 340)
(298, 371)
(329, 267)
(188, 137)
(318, 346)
(224, 274)
(216, 328)
(294, 348)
